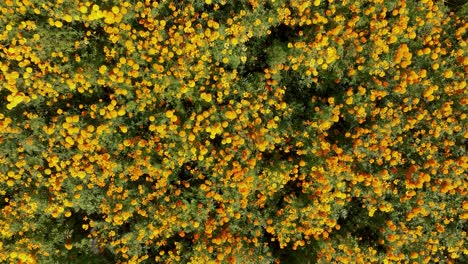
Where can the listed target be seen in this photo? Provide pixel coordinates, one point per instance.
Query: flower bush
(223, 131)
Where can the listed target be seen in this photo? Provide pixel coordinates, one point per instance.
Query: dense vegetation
(222, 131)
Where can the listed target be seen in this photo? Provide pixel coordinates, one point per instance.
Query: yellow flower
(123, 128)
(206, 96)
(115, 10)
(10, 182)
(109, 18)
(15, 100)
(83, 9)
(69, 140)
(169, 114)
(68, 246)
(448, 74)
(103, 69)
(231, 115)
(81, 174)
(191, 137)
(58, 23)
(121, 112)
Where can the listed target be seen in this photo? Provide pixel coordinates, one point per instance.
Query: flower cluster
(233, 131)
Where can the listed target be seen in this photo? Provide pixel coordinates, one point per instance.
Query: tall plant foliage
(223, 131)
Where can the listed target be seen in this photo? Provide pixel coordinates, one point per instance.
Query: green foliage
(233, 131)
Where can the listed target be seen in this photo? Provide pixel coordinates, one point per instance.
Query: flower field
(217, 131)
